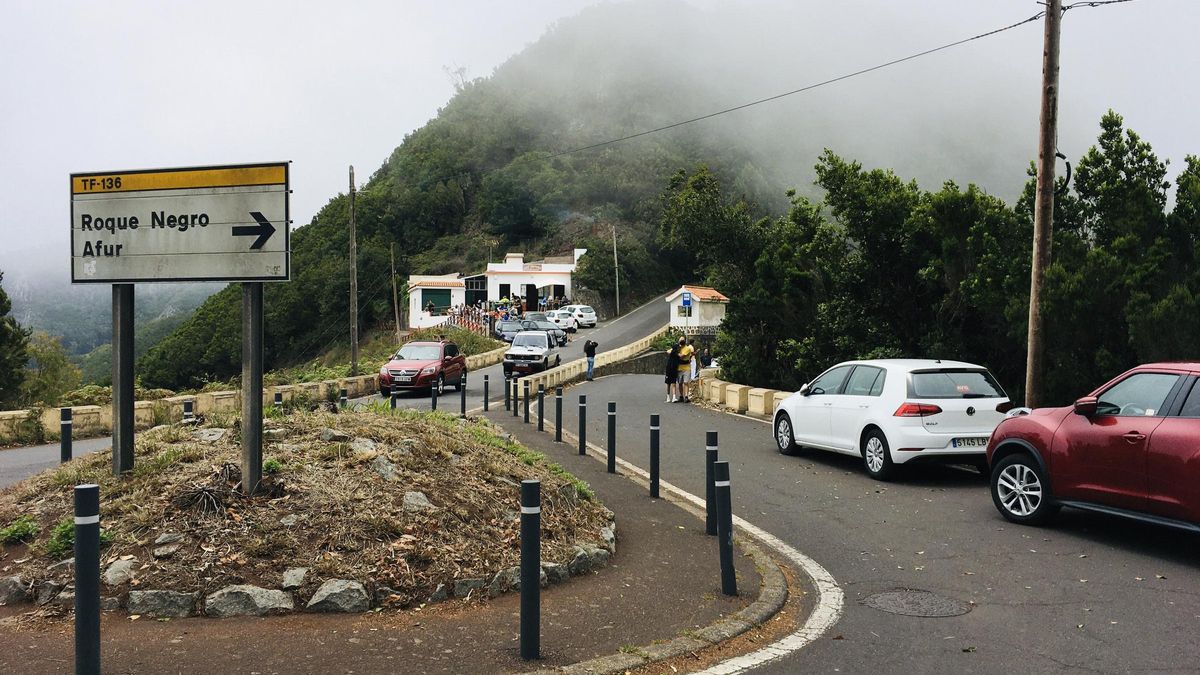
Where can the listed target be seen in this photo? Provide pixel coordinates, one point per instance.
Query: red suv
(424, 365)
(1131, 448)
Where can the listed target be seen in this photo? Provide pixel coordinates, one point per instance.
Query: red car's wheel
(1021, 492)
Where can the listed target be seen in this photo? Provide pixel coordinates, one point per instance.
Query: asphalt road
(608, 335)
(1088, 593)
(19, 463)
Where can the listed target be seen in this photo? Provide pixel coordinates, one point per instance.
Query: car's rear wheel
(1020, 491)
(877, 458)
(785, 436)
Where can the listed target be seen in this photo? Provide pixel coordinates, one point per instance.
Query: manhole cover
(910, 602)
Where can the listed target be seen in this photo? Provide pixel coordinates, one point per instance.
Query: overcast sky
(94, 86)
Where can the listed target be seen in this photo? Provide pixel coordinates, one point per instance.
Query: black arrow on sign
(263, 230)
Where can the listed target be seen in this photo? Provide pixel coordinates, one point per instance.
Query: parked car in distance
(558, 335)
(894, 411)
(535, 316)
(531, 352)
(424, 365)
(564, 320)
(1130, 448)
(585, 315)
(506, 330)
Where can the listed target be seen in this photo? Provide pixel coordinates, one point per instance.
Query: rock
(120, 572)
(160, 427)
(417, 501)
(385, 595)
(168, 538)
(383, 467)
(569, 494)
(209, 435)
(408, 446)
(363, 445)
(246, 600)
(66, 599)
(505, 580)
(464, 587)
(66, 566)
(48, 591)
(162, 603)
(340, 595)
(588, 558)
(294, 577)
(555, 573)
(167, 551)
(274, 433)
(440, 593)
(608, 536)
(110, 604)
(333, 436)
(289, 520)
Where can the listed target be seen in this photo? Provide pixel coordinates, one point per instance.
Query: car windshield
(954, 383)
(506, 326)
(418, 353)
(587, 310)
(529, 341)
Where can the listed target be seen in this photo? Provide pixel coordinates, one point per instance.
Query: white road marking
(830, 597)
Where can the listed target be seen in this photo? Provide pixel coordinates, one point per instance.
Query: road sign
(213, 223)
(687, 299)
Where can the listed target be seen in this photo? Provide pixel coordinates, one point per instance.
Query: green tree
(51, 373)
(14, 343)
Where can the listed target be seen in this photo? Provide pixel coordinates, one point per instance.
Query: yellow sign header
(177, 179)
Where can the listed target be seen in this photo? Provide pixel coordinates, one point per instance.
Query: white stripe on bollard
(87, 520)
(531, 509)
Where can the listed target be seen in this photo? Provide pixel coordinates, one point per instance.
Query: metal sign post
(214, 223)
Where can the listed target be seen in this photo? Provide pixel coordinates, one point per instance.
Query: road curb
(773, 594)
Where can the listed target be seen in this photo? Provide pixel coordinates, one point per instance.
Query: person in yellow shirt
(686, 354)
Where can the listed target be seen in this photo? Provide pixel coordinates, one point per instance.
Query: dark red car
(1131, 448)
(424, 365)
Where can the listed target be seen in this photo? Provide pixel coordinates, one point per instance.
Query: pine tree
(14, 343)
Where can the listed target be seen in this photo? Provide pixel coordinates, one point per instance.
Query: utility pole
(1043, 211)
(616, 271)
(353, 284)
(395, 295)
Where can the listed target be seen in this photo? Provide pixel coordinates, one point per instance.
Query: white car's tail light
(916, 410)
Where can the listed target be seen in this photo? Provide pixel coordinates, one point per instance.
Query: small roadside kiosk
(697, 311)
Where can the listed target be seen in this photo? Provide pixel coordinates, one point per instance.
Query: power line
(864, 71)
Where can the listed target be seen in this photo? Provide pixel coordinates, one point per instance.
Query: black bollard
(710, 494)
(462, 396)
(188, 415)
(516, 399)
(612, 436)
(433, 394)
(558, 414)
(526, 401)
(64, 435)
(343, 398)
(392, 398)
(87, 579)
(279, 399)
(507, 391)
(485, 393)
(583, 424)
(725, 528)
(531, 569)
(541, 407)
(654, 431)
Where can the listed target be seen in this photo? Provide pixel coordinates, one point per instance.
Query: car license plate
(404, 379)
(979, 442)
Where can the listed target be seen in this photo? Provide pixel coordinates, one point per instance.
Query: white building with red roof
(697, 310)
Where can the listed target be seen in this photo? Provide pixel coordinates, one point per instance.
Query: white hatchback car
(563, 319)
(584, 314)
(894, 411)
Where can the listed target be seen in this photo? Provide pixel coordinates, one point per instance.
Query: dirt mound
(406, 501)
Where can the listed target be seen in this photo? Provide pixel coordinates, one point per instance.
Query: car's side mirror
(1086, 406)
(805, 390)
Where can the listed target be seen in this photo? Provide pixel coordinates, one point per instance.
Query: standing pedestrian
(685, 354)
(589, 350)
(706, 358)
(672, 373)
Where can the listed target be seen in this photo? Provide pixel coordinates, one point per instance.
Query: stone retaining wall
(740, 398)
(573, 371)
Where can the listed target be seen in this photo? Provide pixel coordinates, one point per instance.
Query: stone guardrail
(96, 420)
(740, 398)
(572, 371)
